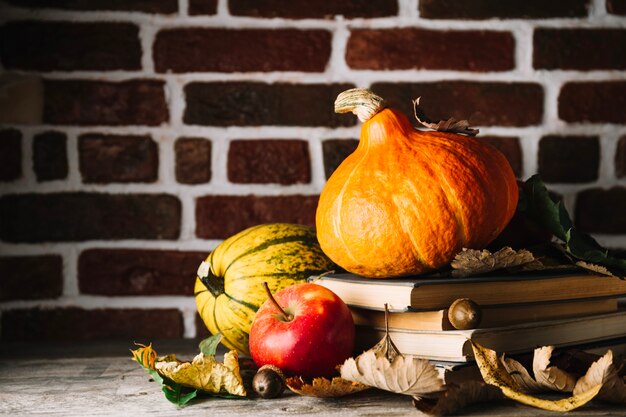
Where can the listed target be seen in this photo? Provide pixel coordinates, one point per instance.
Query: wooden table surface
(100, 379)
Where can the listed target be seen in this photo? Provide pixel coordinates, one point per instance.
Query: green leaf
(179, 395)
(145, 356)
(539, 207)
(536, 203)
(209, 345)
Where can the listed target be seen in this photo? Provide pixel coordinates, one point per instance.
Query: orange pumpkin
(407, 201)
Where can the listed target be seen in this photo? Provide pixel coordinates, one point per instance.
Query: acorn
(464, 314)
(268, 382)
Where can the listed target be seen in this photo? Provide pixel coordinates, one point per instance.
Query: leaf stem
(286, 317)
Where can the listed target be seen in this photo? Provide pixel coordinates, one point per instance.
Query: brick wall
(137, 134)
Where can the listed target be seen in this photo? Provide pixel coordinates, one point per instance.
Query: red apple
(315, 334)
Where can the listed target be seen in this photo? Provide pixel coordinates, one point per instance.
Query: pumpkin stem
(286, 316)
(214, 284)
(360, 101)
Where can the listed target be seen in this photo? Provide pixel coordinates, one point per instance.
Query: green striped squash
(229, 295)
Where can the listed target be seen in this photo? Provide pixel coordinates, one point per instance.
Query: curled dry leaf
(384, 367)
(451, 125)
(520, 376)
(495, 373)
(551, 377)
(547, 378)
(603, 373)
(470, 262)
(405, 375)
(205, 373)
(325, 388)
(457, 397)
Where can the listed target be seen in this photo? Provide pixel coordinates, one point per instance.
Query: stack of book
(519, 313)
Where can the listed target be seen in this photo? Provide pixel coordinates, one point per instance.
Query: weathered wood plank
(100, 379)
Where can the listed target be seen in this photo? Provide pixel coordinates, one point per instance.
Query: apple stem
(286, 316)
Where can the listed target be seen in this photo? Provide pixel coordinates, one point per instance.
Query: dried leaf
(324, 388)
(520, 376)
(457, 397)
(603, 373)
(595, 268)
(451, 125)
(405, 375)
(551, 377)
(174, 392)
(470, 262)
(494, 373)
(205, 373)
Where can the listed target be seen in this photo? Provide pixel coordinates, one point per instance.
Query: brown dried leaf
(451, 125)
(470, 262)
(603, 373)
(520, 375)
(324, 388)
(595, 268)
(405, 375)
(551, 377)
(457, 397)
(494, 373)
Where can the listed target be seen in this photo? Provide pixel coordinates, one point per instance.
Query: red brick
(602, 210)
(335, 151)
(510, 148)
(616, 7)
(31, 277)
(563, 49)
(149, 6)
(242, 50)
(75, 324)
(221, 216)
(482, 103)
(31, 218)
(193, 160)
(269, 161)
(50, 156)
(510, 9)
(385, 49)
(303, 9)
(202, 7)
(569, 159)
(10, 154)
(257, 104)
(84, 103)
(113, 158)
(60, 46)
(596, 102)
(620, 158)
(138, 271)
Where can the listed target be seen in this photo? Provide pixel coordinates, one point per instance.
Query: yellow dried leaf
(405, 375)
(603, 372)
(205, 373)
(324, 388)
(457, 397)
(495, 373)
